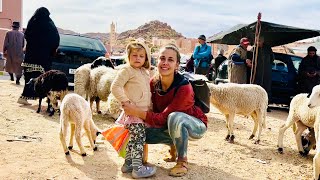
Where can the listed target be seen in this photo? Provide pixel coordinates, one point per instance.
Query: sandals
(180, 169)
(172, 156)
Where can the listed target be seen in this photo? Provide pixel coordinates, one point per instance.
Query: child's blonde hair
(136, 45)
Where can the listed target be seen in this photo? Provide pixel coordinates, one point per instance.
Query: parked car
(183, 62)
(284, 77)
(74, 51)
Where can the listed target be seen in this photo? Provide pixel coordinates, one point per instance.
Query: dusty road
(209, 158)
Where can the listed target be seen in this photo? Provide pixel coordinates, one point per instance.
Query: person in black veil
(42, 41)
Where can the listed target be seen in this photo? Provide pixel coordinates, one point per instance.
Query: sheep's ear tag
(309, 94)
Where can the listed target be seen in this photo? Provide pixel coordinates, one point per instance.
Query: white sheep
(113, 106)
(104, 84)
(99, 85)
(314, 101)
(243, 99)
(82, 75)
(303, 116)
(75, 110)
(82, 80)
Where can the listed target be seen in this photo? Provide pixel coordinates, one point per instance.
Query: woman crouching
(174, 118)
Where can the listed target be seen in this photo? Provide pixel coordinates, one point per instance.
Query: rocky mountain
(64, 31)
(151, 29)
(147, 31)
(104, 37)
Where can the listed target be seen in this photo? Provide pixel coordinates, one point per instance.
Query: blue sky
(189, 17)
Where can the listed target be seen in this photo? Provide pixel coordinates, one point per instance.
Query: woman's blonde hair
(135, 45)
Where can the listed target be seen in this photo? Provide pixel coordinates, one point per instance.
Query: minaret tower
(112, 36)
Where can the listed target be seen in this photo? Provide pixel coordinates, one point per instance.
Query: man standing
(13, 51)
(308, 73)
(202, 56)
(218, 60)
(237, 68)
(262, 73)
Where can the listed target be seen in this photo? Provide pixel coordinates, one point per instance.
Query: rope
(256, 40)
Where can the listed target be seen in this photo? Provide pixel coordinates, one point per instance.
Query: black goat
(50, 81)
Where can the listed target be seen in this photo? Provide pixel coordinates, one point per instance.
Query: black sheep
(53, 80)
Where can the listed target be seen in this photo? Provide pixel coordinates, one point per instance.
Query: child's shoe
(126, 168)
(143, 172)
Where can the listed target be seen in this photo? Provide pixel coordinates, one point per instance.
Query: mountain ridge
(146, 31)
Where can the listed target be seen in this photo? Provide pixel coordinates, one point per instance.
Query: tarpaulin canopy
(274, 34)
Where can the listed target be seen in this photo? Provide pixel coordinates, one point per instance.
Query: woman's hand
(311, 74)
(5, 54)
(248, 62)
(133, 110)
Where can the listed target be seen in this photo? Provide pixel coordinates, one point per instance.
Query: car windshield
(184, 59)
(296, 62)
(81, 42)
(278, 65)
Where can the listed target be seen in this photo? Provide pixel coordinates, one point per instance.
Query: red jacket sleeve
(182, 100)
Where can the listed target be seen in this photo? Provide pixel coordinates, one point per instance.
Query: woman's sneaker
(126, 168)
(143, 172)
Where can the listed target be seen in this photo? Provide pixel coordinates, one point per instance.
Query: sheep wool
(299, 113)
(314, 102)
(82, 80)
(75, 110)
(113, 106)
(243, 99)
(104, 84)
(95, 77)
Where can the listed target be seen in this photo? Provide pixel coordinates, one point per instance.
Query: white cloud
(191, 17)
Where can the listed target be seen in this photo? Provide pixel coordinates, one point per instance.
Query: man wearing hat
(237, 68)
(202, 56)
(13, 51)
(308, 73)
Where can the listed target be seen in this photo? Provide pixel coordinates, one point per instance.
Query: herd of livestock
(93, 81)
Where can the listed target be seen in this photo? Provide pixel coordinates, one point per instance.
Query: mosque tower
(112, 36)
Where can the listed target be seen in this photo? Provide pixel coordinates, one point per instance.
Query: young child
(131, 85)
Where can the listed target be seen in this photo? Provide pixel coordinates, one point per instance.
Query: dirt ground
(209, 158)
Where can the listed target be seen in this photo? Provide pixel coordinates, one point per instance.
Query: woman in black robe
(42, 41)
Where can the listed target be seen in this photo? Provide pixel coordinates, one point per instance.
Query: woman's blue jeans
(181, 128)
